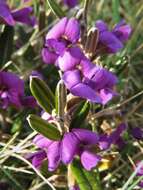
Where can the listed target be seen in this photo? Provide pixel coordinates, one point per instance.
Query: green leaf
(6, 44)
(93, 178)
(115, 8)
(56, 9)
(43, 127)
(42, 93)
(80, 177)
(80, 114)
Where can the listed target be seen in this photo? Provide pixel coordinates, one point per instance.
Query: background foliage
(20, 52)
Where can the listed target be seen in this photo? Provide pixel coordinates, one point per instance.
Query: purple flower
(71, 3)
(139, 171)
(112, 41)
(105, 141)
(74, 188)
(77, 142)
(91, 82)
(64, 34)
(137, 133)
(12, 91)
(10, 17)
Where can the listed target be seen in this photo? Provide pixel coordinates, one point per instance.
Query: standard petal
(5, 14)
(58, 30)
(42, 142)
(109, 42)
(89, 160)
(72, 31)
(86, 92)
(54, 155)
(70, 146)
(86, 137)
(122, 31)
(101, 25)
(71, 78)
(24, 16)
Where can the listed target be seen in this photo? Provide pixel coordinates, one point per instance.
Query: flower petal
(117, 133)
(71, 78)
(42, 142)
(106, 95)
(70, 59)
(85, 136)
(29, 101)
(58, 30)
(38, 158)
(70, 146)
(5, 14)
(122, 31)
(84, 91)
(101, 25)
(72, 31)
(12, 81)
(23, 16)
(48, 57)
(109, 42)
(54, 155)
(137, 132)
(104, 142)
(71, 3)
(89, 160)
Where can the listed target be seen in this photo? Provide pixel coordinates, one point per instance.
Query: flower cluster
(83, 78)
(12, 92)
(10, 17)
(77, 142)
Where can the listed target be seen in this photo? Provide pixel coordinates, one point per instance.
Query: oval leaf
(43, 127)
(93, 178)
(80, 114)
(56, 9)
(42, 93)
(6, 44)
(80, 177)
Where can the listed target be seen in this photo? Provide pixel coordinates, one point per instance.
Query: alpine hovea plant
(72, 136)
(12, 92)
(63, 136)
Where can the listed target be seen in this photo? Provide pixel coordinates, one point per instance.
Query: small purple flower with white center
(77, 142)
(10, 17)
(12, 92)
(112, 41)
(62, 36)
(71, 3)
